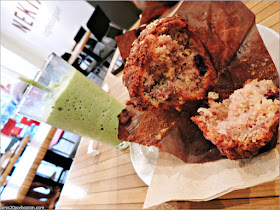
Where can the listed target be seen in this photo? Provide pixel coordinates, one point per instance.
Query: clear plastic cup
(73, 103)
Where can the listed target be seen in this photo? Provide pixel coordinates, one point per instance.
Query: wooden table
(109, 181)
(25, 170)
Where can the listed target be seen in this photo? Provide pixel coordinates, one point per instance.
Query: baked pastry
(167, 66)
(245, 122)
(229, 35)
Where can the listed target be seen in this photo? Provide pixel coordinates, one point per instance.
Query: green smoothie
(80, 106)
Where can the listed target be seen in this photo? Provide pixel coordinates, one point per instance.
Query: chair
(79, 36)
(105, 32)
(58, 155)
(14, 140)
(113, 31)
(100, 72)
(14, 159)
(92, 54)
(66, 56)
(20, 180)
(67, 145)
(98, 23)
(9, 152)
(102, 27)
(77, 64)
(91, 43)
(59, 161)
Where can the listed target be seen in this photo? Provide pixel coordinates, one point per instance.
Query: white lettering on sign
(25, 13)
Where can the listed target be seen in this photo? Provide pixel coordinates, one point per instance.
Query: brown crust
(141, 54)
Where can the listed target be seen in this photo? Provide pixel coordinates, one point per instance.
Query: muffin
(245, 122)
(167, 66)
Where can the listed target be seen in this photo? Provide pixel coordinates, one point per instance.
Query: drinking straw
(26, 80)
(35, 84)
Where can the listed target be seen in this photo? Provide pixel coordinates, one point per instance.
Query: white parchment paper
(174, 180)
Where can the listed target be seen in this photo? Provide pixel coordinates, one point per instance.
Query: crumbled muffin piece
(167, 66)
(240, 125)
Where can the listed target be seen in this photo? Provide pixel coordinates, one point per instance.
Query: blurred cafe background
(82, 33)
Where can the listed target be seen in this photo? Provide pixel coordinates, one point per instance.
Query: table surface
(109, 181)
